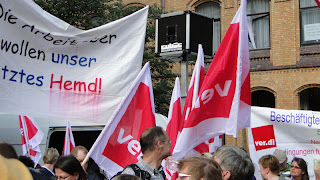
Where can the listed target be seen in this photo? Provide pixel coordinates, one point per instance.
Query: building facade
(284, 43)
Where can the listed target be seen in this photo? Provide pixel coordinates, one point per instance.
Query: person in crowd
(126, 177)
(199, 168)
(316, 169)
(10, 167)
(68, 167)
(283, 160)
(50, 157)
(270, 168)
(13, 169)
(7, 150)
(155, 146)
(299, 169)
(235, 163)
(26, 161)
(93, 171)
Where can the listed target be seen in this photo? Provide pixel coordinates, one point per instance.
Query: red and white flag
(215, 143)
(31, 136)
(118, 144)
(175, 124)
(197, 78)
(223, 105)
(68, 141)
(175, 121)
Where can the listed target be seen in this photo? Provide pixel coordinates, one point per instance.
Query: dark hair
(271, 162)
(149, 137)
(126, 177)
(70, 165)
(26, 161)
(303, 166)
(7, 150)
(201, 167)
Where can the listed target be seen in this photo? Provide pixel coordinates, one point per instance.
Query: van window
(83, 138)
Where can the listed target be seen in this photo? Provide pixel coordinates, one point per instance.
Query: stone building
(284, 48)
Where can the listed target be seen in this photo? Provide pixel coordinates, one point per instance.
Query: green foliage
(87, 14)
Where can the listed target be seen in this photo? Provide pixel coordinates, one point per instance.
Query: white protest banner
(297, 132)
(50, 69)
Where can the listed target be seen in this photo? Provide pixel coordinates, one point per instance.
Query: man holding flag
(155, 146)
(117, 146)
(223, 104)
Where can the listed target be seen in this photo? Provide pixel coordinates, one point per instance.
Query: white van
(84, 133)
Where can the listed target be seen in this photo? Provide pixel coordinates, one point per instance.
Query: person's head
(12, 168)
(126, 177)
(155, 139)
(269, 164)
(316, 169)
(80, 152)
(299, 169)
(235, 163)
(199, 168)
(282, 157)
(26, 161)
(7, 150)
(69, 168)
(50, 156)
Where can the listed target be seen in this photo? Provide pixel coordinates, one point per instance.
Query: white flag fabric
(69, 143)
(51, 69)
(223, 105)
(175, 121)
(118, 144)
(197, 78)
(175, 124)
(31, 136)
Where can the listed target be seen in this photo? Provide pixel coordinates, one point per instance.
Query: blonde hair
(51, 156)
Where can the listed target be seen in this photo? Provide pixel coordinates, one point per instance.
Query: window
(310, 22)
(258, 23)
(212, 10)
(310, 99)
(263, 98)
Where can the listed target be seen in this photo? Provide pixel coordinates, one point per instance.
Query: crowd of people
(226, 163)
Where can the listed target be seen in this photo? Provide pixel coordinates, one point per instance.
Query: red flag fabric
(195, 83)
(175, 121)
(31, 136)
(118, 144)
(197, 78)
(318, 2)
(69, 143)
(223, 105)
(175, 124)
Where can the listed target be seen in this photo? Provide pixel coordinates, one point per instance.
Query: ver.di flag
(118, 144)
(69, 143)
(31, 136)
(223, 105)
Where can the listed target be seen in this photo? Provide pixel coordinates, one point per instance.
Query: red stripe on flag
(318, 2)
